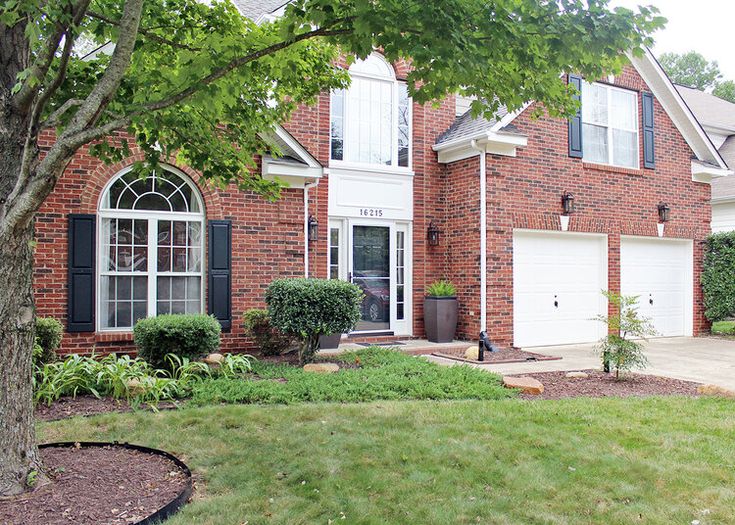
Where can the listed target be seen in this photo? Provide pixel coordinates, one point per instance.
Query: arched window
(151, 247)
(371, 120)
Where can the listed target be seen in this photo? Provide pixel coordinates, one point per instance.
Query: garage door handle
(556, 303)
(650, 300)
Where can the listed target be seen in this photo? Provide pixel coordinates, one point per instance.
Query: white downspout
(483, 235)
(306, 226)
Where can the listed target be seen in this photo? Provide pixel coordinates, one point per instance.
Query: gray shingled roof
(465, 126)
(254, 9)
(727, 151)
(709, 109)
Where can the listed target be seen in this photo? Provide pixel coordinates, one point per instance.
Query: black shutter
(575, 123)
(220, 272)
(81, 260)
(649, 157)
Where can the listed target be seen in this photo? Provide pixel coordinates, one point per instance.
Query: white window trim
(393, 166)
(609, 89)
(151, 272)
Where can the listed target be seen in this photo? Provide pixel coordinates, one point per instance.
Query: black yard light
(313, 228)
(432, 234)
(664, 210)
(567, 203)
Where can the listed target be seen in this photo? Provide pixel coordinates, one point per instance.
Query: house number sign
(371, 212)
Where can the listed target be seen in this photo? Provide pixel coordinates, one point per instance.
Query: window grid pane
(610, 125)
(334, 253)
(400, 275)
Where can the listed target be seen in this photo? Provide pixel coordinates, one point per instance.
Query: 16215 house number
(371, 212)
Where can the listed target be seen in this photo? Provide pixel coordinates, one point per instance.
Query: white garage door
(557, 280)
(660, 273)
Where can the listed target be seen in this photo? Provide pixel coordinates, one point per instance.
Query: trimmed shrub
(191, 336)
(48, 337)
(718, 276)
(308, 308)
(258, 326)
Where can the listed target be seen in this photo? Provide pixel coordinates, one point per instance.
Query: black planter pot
(440, 318)
(329, 341)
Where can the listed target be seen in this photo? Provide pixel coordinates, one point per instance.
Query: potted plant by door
(440, 312)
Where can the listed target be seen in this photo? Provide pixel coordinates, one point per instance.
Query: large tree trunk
(19, 455)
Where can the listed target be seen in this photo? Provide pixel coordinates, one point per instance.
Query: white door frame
(345, 226)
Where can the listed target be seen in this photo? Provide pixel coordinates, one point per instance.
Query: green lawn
(723, 328)
(610, 461)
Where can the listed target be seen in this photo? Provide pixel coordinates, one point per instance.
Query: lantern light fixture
(664, 212)
(432, 234)
(313, 228)
(567, 203)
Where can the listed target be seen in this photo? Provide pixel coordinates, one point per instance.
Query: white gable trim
(706, 172)
(493, 142)
(293, 174)
(680, 114)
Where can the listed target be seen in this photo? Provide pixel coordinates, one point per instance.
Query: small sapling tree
(622, 348)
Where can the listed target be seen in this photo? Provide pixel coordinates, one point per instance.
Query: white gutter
(306, 226)
(483, 234)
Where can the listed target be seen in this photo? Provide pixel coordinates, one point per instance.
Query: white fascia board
(509, 117)
(704, 173)
(496, 143)
(295, 145)
(680, 114)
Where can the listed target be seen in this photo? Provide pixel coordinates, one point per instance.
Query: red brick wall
(525, 192)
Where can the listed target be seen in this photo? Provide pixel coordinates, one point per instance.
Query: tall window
(370, 121)
(610, 125)
(151, 248)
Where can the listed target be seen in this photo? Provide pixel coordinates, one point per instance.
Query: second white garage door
(660, 273)
(557, 280)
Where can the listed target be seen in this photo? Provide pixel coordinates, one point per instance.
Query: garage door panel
(659, 272)
(557, 284)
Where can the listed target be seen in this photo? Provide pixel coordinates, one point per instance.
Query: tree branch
(54, 119)
(238, 62)
(145, 32)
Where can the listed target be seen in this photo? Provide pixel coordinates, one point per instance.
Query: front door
(371, 271)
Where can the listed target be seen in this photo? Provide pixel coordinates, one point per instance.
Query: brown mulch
(87, 406)
(511, 355)
(96, 485)
(599, 384)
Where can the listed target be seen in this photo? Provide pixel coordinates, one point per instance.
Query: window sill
(339, 165)
(615, 169)
(113, 337)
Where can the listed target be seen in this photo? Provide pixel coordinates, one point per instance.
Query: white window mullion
(394, 126)
(152, 265)
(610, 147)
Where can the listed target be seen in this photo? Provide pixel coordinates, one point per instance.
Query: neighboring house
(370, 173)
(717, 117)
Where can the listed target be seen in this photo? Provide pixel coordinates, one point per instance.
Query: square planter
(329, 341)
(440, 318)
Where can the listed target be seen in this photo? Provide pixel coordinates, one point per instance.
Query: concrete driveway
(701, 359)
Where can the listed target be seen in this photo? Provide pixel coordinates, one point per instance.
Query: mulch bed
(503, 356)
(86, 406)
(97, 485)
(599, 384)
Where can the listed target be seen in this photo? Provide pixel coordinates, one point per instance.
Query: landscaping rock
(577, 375)
(527, 385)
(472, 353)
(135, 387)
(321, 368)
(214, 359)
(714, 390)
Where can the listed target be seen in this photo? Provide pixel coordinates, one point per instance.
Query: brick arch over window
(97, 181)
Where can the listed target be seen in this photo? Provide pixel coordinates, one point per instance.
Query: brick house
(369, 172)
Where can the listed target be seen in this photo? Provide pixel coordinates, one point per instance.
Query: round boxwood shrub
(48, 339)
(308, 308)
(718, 276)
(190, 335)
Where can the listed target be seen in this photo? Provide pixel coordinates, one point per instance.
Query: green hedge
(48, 338)
(270, 341)
(718, 276)
(308, 308)
(191, 336)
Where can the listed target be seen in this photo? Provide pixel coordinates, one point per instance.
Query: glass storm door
(371, 269)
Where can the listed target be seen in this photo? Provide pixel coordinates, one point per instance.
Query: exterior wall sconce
(567, 202)
(664, 211)
(313, 228)
(432, 234)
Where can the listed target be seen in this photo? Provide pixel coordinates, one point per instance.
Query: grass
(383, 374)
(723, 327)
(581, 461)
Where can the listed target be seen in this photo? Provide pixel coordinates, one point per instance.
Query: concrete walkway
(701, 359)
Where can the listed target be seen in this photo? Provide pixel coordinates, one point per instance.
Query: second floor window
(610, 125)
(370, 121)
